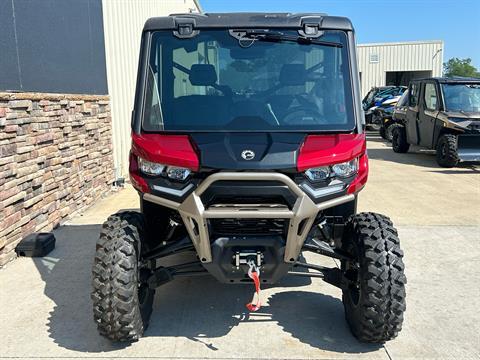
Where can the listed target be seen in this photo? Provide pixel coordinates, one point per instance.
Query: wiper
(277, 36)
(463, 112)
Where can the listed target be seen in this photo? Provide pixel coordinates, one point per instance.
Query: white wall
(123, 22)
(405, 56)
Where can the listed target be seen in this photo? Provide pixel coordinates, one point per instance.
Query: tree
(460, 67)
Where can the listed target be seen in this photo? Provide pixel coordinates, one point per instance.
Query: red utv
(248, 148)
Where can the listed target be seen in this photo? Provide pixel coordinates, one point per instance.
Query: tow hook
(253, 261)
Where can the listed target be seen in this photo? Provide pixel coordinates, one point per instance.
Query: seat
(209, 111)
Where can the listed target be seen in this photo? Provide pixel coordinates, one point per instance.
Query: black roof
(452, 80)
(246, 20)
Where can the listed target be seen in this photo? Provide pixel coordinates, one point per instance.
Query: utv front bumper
(195, 214)
(469, 147)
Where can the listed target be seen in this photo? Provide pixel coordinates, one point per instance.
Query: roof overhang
(249, 20)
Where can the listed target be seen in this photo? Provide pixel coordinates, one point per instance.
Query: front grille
(474, 126)
(239, 227)
(248, 192)
(243, 199)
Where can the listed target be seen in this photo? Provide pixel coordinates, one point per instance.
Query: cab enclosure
(444, 114)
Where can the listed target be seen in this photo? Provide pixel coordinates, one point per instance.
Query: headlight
(317, 174)
(150, 168)
(346, 169)
(343, 170)
(178, 173)
(156, 169)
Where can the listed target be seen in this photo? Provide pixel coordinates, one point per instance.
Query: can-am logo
(248, 154)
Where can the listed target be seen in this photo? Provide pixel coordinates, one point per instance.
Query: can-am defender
(442, 114)
(248, 149)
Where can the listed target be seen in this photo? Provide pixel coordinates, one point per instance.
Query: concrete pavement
(46, 308)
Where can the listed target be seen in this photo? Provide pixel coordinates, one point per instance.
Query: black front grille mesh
(474, 127)
(239, 227)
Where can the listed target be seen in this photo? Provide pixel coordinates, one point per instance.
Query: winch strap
(255, 305)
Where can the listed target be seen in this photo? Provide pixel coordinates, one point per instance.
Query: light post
(433, 60)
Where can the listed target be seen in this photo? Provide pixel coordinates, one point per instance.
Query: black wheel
(447, 155)
(386, 131)
(399, 139)
(122, 302)
(374, 294)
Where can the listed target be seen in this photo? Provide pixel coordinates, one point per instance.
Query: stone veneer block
(55, 160)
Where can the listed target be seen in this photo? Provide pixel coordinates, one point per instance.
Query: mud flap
(469, 147)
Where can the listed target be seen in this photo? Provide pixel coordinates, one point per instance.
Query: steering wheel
(305, 113)
(303, 116)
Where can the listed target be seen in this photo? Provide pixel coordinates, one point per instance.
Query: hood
(248, 151)
(463, 115)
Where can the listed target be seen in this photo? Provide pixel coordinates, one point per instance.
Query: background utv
(441, 114)
(248, 149)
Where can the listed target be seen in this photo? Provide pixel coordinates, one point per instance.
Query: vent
(239, 227)
(374, 58)
(474, 126)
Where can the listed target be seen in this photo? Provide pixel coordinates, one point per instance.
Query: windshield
(214, 81)
(462, 97)
(396, 91)
(403, 99)
(368, 99)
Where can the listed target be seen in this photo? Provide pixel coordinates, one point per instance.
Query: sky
(457, 23)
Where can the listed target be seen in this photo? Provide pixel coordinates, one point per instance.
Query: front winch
(247, 257)
(230, 256)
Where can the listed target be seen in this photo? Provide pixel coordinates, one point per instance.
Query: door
(412, 113)
(428, 110)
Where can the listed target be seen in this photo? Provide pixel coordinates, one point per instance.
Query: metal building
(397, 63)
(123, 24)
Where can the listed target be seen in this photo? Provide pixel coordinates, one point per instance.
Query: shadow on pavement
(317, 320)
(411, 158)
(67, 277)
(469, 169)
(195, 308)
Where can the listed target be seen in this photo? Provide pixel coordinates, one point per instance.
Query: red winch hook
(254, 274)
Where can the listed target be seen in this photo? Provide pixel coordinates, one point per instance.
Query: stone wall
(55, 159)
